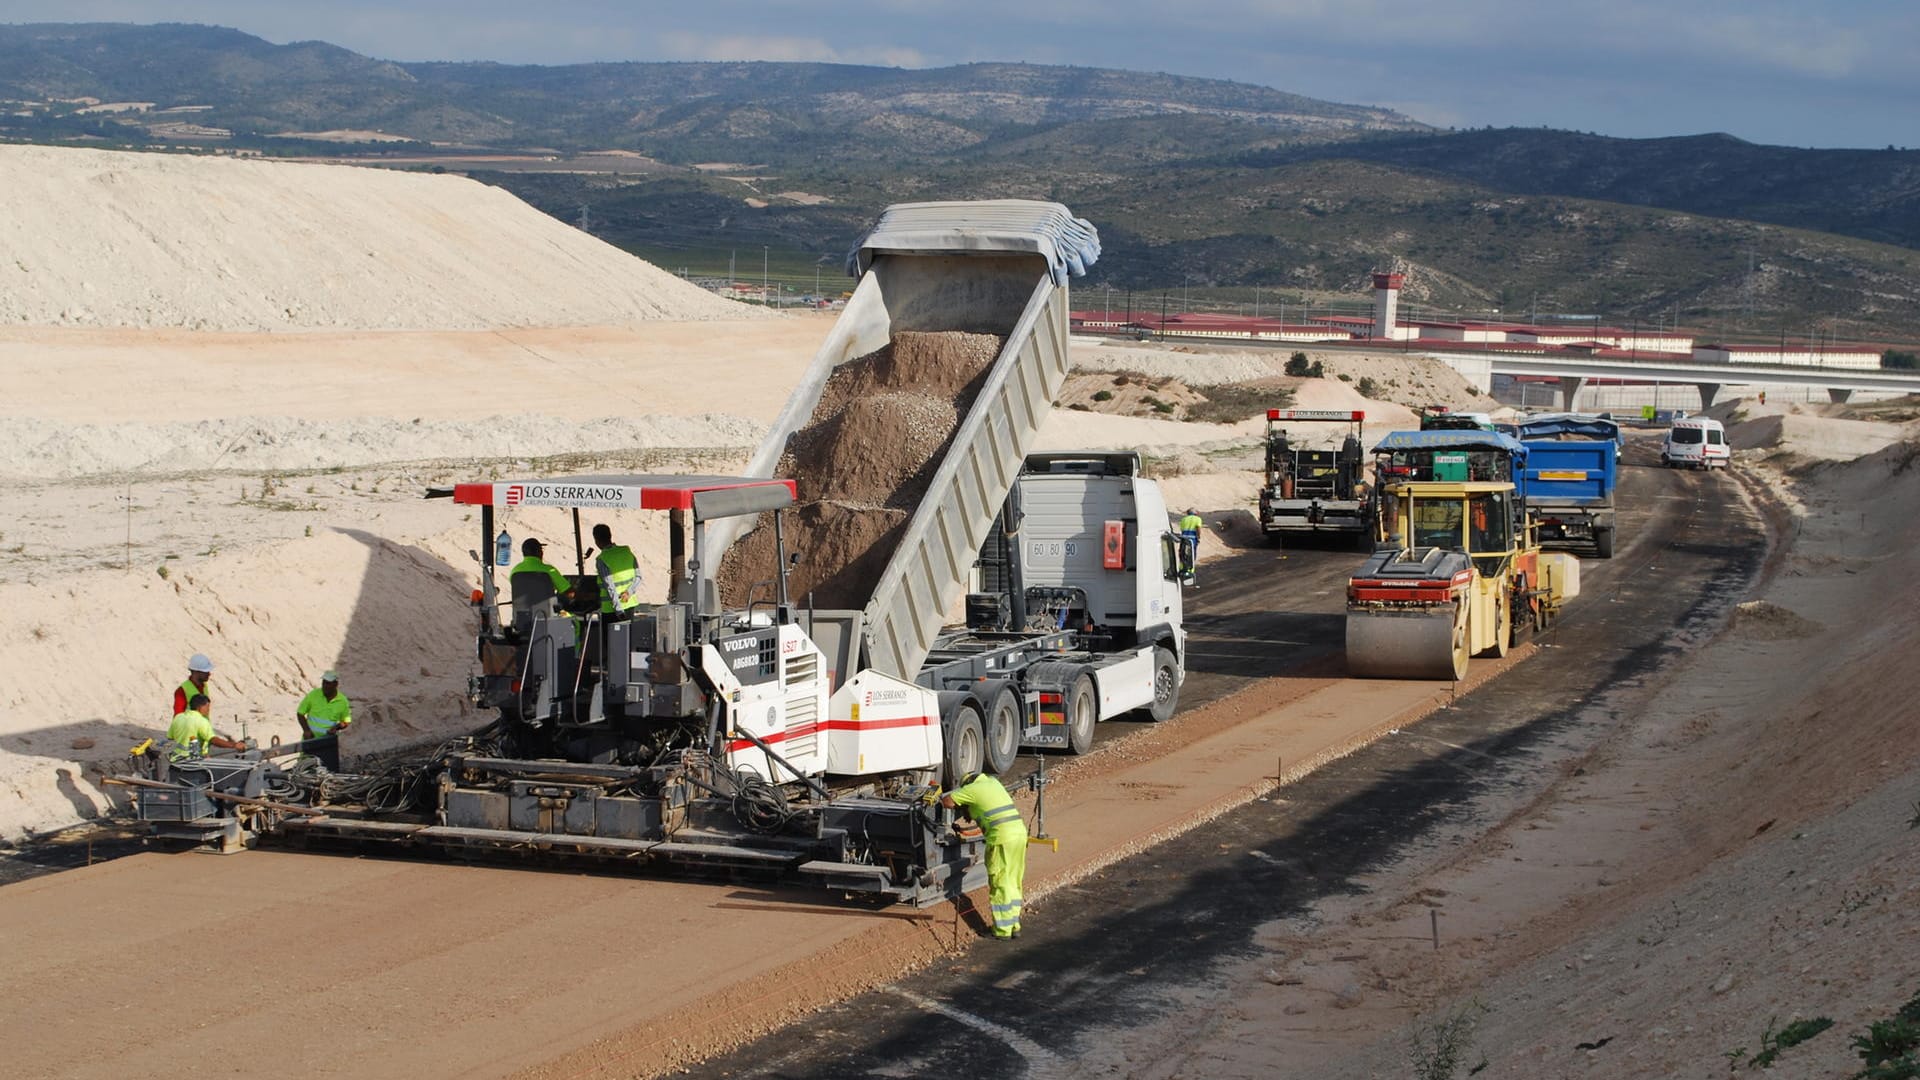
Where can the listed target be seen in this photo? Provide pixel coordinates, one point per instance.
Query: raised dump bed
(995, 268)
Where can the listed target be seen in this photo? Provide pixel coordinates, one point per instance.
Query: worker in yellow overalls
(988, 803)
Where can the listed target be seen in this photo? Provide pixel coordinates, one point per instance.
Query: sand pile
(862, 462)
(92, 660)
(1820, 438)
(1764, 620)
(1382, 416)
(99, 238)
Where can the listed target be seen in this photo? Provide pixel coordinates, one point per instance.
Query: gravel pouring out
(863, 461)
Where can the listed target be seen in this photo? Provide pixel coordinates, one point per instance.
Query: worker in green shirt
(533, 563)
(192, 731)
(321, 714)
(991, 808)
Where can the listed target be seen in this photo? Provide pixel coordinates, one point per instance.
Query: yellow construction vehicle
(1459, 571)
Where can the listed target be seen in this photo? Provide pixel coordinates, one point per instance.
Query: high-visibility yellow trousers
(1006, 867)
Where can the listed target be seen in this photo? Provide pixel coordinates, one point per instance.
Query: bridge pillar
(1838, 395)
(1708, 391)
(1570, 387)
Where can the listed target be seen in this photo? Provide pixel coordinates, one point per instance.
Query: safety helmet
(970, 778)
(199, 662)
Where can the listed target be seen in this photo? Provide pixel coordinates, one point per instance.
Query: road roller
(1459, 574)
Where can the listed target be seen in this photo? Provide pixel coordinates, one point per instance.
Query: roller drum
(1397, 644)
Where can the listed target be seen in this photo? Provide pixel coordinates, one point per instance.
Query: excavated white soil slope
(101, 238)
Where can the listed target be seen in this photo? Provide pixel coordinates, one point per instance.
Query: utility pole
(763, 277)
(732, 278)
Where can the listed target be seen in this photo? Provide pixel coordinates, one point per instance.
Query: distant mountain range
(1195, 182)
(673, 111)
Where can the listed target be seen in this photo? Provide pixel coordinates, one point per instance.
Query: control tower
(1386, 303)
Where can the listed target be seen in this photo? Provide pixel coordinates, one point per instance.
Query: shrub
(1103, 395)
(1367, 386)
(1297, 364)
(1898, 358)
(1230, 403)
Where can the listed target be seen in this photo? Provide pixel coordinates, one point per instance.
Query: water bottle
(503, 549)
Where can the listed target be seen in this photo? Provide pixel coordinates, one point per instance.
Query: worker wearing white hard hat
(199, 668)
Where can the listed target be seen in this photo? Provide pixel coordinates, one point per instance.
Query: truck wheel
(1003, 731)
(966, 744)
(1166, 685)
(1603, 543)
(1083, 711)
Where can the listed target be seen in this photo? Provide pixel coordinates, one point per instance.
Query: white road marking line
(1041, 1062)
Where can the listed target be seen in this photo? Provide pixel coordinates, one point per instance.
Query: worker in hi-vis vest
(533, 563)
(321, 715)
(988, 803)
(619, 573)
(192, 731)
(199, 669)
(1190, 531)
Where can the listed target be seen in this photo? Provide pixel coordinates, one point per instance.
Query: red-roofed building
(1208, 324)
(1835, 356)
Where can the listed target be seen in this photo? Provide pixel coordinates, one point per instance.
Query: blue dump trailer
(1572, 465)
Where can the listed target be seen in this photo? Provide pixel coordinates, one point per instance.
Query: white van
(1696, 443)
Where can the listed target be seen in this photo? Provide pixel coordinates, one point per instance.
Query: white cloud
(1807, 47)
(686, 45)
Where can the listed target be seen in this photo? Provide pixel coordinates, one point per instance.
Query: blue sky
(1838, 73)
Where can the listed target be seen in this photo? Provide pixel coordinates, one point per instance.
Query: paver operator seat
(532, 595)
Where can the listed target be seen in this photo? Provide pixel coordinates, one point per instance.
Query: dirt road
(1120, 974)
(438, 969)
